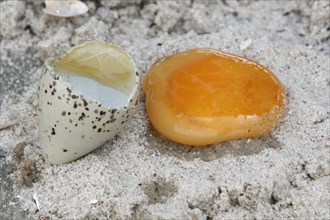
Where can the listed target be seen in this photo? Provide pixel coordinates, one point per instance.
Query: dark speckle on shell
(53, 131)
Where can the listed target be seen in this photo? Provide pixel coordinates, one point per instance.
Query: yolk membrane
(105, 63)
(203, 96)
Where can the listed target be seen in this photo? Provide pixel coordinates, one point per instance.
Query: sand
(141, 175)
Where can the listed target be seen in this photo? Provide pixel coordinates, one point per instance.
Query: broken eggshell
(85, 98)
(65, 8)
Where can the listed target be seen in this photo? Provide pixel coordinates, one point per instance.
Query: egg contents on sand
(203, 96)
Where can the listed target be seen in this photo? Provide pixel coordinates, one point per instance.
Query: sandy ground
(139, 174)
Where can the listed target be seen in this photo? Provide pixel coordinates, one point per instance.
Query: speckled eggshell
(70, 123)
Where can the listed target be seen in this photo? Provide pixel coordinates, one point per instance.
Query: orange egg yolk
(203, 96)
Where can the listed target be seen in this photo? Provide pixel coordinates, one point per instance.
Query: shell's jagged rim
(99, 70)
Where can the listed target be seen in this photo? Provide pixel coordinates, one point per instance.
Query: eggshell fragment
(78, 113)
(65, 8)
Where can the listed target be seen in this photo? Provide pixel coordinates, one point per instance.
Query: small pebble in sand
(245, 44)
(203, 96)
(93, 201)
